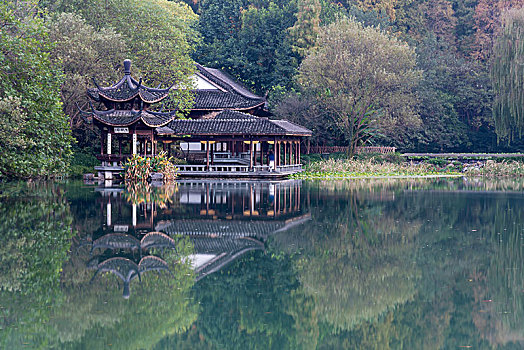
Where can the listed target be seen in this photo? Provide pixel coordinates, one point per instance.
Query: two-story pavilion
(226, 134)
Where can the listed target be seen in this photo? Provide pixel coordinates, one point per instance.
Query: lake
(355, 264)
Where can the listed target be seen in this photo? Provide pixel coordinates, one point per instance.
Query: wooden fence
(376, 149)
(344, 149)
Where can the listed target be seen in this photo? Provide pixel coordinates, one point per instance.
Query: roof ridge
(220, 81)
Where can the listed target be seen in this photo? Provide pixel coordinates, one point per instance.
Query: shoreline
(342, 177)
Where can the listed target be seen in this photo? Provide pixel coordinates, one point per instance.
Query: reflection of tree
(499, 292)
(50, 303)
(362, 233)
(36, 232)
(356, 267)
(250, 304)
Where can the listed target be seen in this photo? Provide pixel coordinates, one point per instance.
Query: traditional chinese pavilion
(227, 132)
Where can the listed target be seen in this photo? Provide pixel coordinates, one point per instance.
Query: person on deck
(271, 158)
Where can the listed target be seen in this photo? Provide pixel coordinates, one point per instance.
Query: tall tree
(83, 53)
(159, 35)
(380, 6)
(487, 23)
(35, 137)
(508, 76)
(250, 40)
(304, 32)
(362, 78)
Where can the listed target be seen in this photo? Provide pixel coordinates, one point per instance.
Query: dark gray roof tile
(235, 123)
(217, 99)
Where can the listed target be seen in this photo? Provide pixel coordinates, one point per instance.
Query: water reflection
(222, 220)
(388, 264)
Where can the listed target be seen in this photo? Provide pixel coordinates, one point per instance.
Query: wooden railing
(194, 168)
(328, 149)
(345, 149)
(376, 149)
(286, 168)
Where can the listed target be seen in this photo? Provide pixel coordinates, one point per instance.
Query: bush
(83, 162)
(139, 169)
(379, 158)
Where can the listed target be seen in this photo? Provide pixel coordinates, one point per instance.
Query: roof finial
(127, 67)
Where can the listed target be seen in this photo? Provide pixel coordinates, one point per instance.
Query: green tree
(304, 32)
(35, 137)
(455, 108)
(362, 78)
(507, 74)
(83, 53)
(250, 40)
(159, 36)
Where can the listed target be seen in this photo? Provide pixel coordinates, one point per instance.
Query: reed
(346, 168)
(492, 168)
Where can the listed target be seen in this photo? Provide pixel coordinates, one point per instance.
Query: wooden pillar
(250, 154)
(213, 148)
(285, 152)
(291, 154)
(119, 146)
(207, 155)
(295, 149)
(108, 143)
(101, 143)
(153, 144)
(277, 149)
(280, 152)
(254, 146)
(299, 152)
(134, 140)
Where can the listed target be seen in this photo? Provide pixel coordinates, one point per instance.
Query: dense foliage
(508, 76)
(140, 169)
(35, 138)
(93, 37)
(51, 49)
(453, 41)
(362, 80)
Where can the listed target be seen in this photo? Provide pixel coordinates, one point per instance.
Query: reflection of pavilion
(228, 219)
(127, 257)
(223, 220)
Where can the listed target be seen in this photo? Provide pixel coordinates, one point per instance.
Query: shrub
(139, 169)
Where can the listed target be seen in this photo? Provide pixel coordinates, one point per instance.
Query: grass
(372, 167)
(391, 165)
(493, 168)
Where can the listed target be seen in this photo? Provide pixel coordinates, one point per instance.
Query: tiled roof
(129, 117)
(223, 79)
(231, 96)
(228, 114)
(217, 100)
(291, 127)
(126, 89)
(217, 245)
(233, 123)
(222, 228)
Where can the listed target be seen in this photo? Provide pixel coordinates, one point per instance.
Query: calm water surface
(361, 264)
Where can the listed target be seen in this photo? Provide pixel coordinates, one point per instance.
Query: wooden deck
(230, 171)
(237, 171)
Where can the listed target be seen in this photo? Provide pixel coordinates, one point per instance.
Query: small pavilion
(226, 134)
